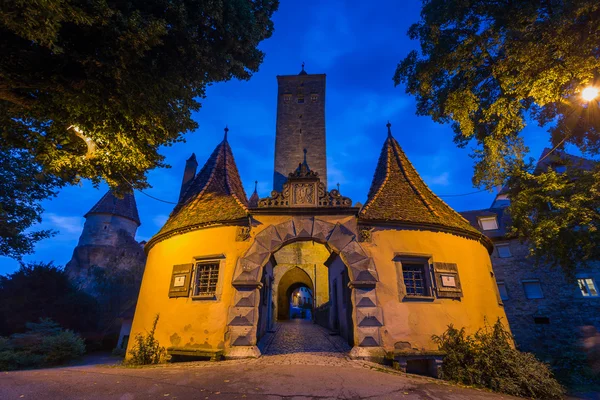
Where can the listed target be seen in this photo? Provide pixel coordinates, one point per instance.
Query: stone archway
(341, 239)
(290, 281)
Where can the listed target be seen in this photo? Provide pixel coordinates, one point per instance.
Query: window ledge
(418, 298)
(204, 297)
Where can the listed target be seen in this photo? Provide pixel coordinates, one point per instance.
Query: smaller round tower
(110, 215)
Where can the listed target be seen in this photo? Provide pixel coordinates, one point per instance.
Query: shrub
(45, 343)
(146, 349)
(488, 359)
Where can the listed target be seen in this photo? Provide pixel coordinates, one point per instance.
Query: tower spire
(226, 130)
(303, 72)
(389, 126)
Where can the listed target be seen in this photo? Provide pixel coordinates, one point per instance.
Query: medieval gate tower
(300, 125)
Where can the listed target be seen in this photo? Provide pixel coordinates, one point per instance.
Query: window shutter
(447, 281)
(180, 280)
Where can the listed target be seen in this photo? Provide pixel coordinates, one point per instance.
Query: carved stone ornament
(242, 234)
(304, 189)
(365, 234)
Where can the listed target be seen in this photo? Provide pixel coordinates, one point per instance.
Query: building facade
(548, 312)
(386, 276)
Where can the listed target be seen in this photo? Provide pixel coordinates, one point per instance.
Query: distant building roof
(215, 195)
(554, 158)
(398, 194)
(502, 218)
(110, 204)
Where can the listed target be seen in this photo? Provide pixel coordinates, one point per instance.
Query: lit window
(207, 276)
(502, 290)
(533, 289)
(488, 223)
(503, 250)
(587, 287)
(300, 99)
(414, 279)
(287, 98)
(314, 98)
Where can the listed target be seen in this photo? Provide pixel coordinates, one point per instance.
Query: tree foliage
(488, 359)
(45, 343)
(40, 290)
(486, 66)
(92, 88)
(559, 214)
(23, 184)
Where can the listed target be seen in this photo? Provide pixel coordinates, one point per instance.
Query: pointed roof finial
(303, 72)
(305, 151)
(389, 126)
(255, 186)
(338, 186)
(226, 130)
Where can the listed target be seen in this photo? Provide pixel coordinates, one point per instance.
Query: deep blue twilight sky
(358, 45)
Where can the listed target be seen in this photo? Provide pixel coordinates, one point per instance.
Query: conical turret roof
(110, 204)
(398, 194)
(253, 201)
(215, 195)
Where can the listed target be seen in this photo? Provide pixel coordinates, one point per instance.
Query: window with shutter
(447, 280)
(180, 280)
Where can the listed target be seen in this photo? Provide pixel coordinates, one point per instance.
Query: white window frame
(585, 281)
(483, 220)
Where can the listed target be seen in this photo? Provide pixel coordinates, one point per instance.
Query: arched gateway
(341, 240)
(209, 268)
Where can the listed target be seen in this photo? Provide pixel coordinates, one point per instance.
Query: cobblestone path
(304, 343)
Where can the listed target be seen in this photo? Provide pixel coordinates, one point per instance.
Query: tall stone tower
(300, 125)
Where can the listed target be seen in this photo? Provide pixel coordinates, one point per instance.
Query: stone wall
(300, 125)
(103, 229)
(551, 325)
(309, 257)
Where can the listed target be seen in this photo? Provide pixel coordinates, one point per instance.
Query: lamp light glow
(589, 93)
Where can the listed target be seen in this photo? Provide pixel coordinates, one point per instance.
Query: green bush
(488, 359)
(44, 344)
(146, 349)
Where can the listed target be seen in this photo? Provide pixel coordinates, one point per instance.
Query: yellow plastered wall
(184, 321)
(416, 321)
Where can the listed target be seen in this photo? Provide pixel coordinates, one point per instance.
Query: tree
(23, 185)
(485, 67)
(92, 88)
(42, 290)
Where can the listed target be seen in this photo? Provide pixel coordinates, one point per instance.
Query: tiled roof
(398, 194)
(216, 195)
(110, 204)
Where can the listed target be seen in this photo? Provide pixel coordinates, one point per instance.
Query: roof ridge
(397, 150)
(383, 182)
(227, 181)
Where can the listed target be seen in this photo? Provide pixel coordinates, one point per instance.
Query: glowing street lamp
(589, 93)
